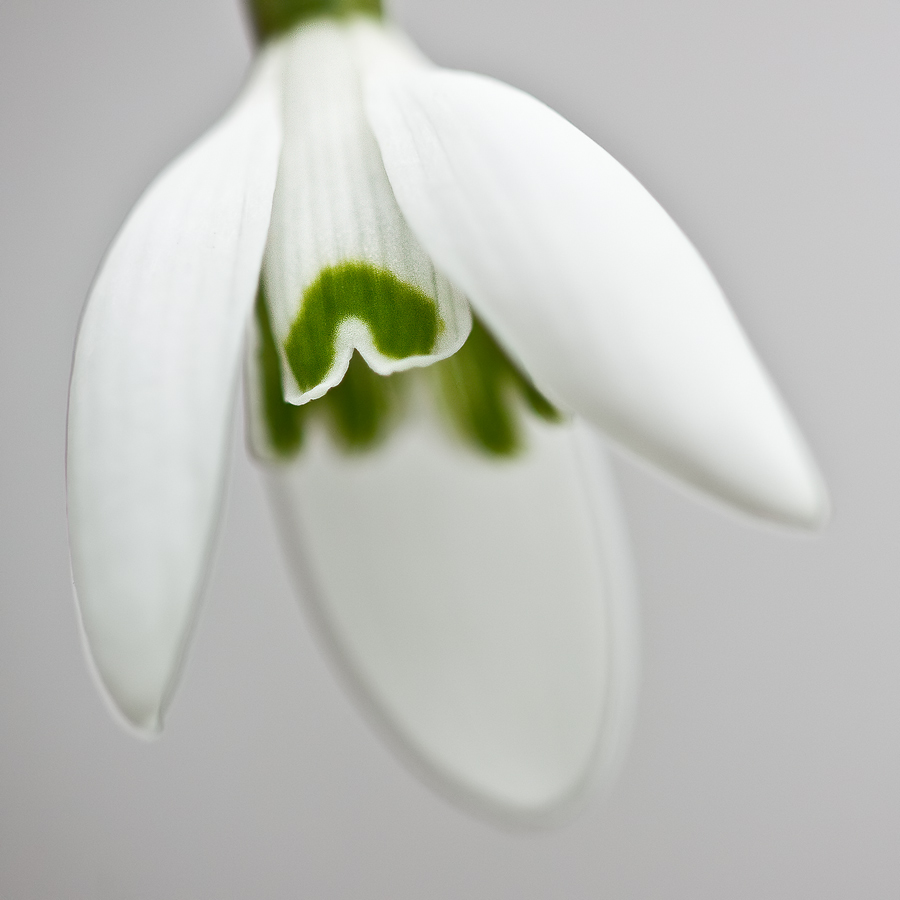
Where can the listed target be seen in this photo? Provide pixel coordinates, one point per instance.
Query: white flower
(480, 607)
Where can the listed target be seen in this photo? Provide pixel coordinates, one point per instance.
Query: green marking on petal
(283, 420)
(402, 320)
(362, 407)
(479, 389)
(479, 385)
(273, 17)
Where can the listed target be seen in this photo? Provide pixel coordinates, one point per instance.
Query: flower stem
(273, 17)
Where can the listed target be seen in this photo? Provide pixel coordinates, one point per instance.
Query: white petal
(257, 437)
(334, 205)
(152, 393)
(482, 610)
(591, 286)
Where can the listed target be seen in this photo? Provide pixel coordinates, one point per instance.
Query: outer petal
(152, 393)
(591, 286)
(482, 610)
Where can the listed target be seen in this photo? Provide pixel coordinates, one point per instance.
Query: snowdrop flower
(451, 292)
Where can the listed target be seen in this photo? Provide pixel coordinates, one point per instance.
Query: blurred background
(766, 758)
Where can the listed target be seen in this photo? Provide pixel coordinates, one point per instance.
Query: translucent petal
(335, 213)
(482, 610)
(152, 393)
(590, 285)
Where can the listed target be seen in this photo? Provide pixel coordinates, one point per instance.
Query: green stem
(273, 17)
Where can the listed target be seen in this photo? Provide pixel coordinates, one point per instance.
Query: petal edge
(488, 623)
(591, 286)
(151, 397)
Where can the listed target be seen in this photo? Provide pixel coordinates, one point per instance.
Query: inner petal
(343, 272)
(478, 393)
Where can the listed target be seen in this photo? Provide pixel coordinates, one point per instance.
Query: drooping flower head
(442, 294)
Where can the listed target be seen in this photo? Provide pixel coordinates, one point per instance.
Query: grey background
(766, 759)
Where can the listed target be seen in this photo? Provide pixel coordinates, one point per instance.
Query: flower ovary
(274, 17)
